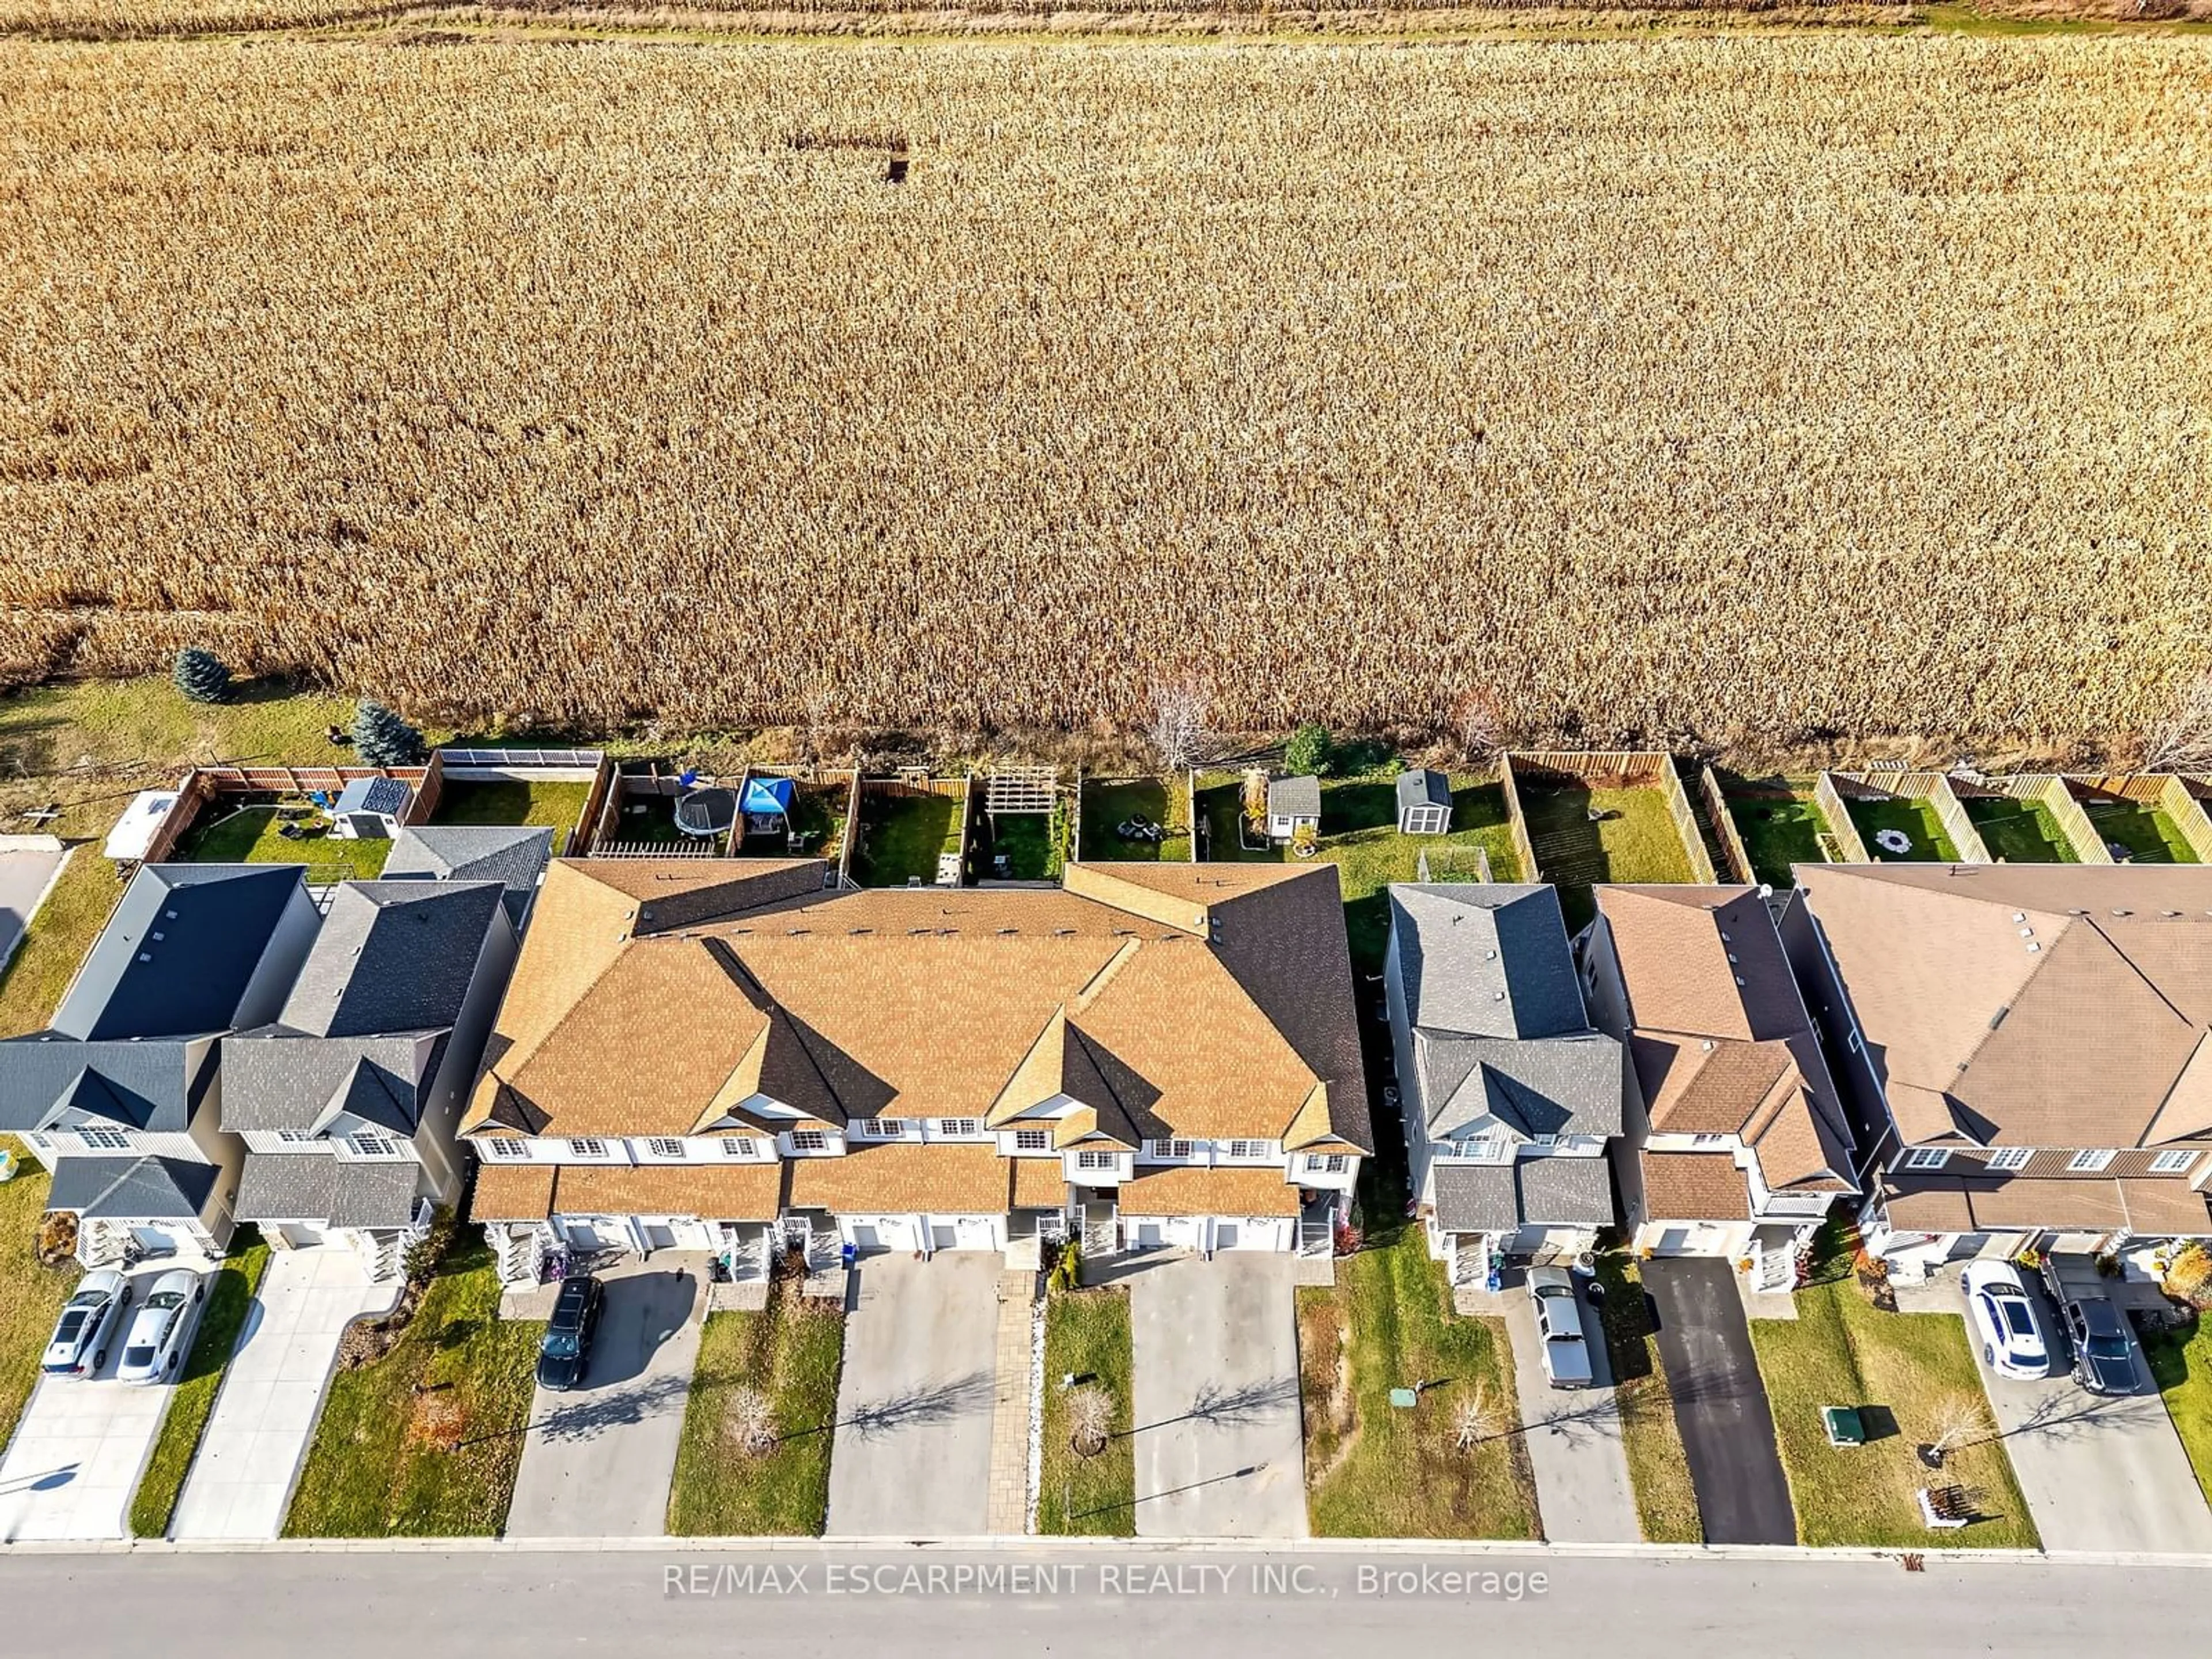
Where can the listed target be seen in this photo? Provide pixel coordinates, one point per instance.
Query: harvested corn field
(1752, 387)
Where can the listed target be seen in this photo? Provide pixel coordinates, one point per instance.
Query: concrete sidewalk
(1573, 1437)
(257, 1437)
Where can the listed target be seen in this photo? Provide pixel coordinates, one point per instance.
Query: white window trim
(2089, 1160)
(1097, 1160)
(819, 1137)
(104, 1140)
(377, 1149)
(956, 1129)
(588, 1149)
(1927, 1157)
(657, 1148)
(503, 1149)
(1325, 1163)
(2003, 1158)
(884, 1128)
(1174, 1150)
(739, 1147)
(2178, 1161)
(1032, 1141)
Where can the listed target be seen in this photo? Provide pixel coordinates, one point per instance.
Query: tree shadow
(592, 1415)
(923, 1404)
(1226, 1408)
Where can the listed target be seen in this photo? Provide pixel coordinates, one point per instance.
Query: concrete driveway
(1720, 1402)
(25, 876)
(82, 1443)
(258, 1435)
(913, 1452)
(2098, 1472)
(1214, 1357)
(597, 1460)
(1573, 1436)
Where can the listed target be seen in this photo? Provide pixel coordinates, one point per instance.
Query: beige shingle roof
(1694, 1187)
(948, 1178)
(1215, 1191)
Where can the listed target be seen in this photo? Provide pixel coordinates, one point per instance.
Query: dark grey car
(2104, 1345)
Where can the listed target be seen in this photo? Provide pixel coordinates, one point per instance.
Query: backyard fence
(2161, 791)
(1850, 846)
(1724, 831)
(1932, 788)
(2048, 791)
(205, 785)
(1618, 768)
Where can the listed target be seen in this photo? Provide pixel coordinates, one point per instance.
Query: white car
(1560, 1327)
(2014, 1337)
(79, 1345)
(154, 1349)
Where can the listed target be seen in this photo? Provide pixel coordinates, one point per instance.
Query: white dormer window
(104, 1141)
(372, 1146)
(2171, 1162)
(1173, 1149)
(295, 1137)
(504, 1148)
(1250, 1149)
(739, 1147)
(1094, 1160)
(809, 1140)
(959, 1128)
(1927, 1157)
(881, 1128)
(2089, 1160)
(1032, 1141)
(2008, 1157)
(1709, 1140)
(587, 1147)
(661, 1147)
(1325, 1163)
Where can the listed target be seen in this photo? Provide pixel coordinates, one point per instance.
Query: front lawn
(791, 1351)
(1778, 833)
(2181, 1364)
(901, 836)
(1106, 806)
(1914, 819)
(35, 1294)
(1583, 836)
(229, 1298)
(1665, 1502)
(47, 958)
(2019, 831)
(2144, 833)
(1374, 1470)
(251, 834)
(424, 1442)
(554, 807)
(1841, 1349)
(1086, 1334)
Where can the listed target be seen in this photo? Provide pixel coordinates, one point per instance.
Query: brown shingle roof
(712, 1192)
(948, 1178)
(1216, 1191)
(1940, 1203)
(1998, 1013)
(1039, 1183)
(1694, 1187)
(512, 1191)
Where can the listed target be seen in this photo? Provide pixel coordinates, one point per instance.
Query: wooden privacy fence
(1931, 787)
(1618, 768)
(1733, 850)
(2048, 791)
(2171, 795)
(205, 785)
(1517, 821)
(1851, 847)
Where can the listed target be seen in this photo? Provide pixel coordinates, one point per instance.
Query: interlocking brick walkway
(1009, 1404)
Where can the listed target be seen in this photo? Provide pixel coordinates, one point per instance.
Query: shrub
(381, 738)
(1308, 750)
(1066, 1268)
(201, 675)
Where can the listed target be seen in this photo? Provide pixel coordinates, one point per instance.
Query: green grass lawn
(791, 1350)
(554, 807)
(229, 1297)
(1221, 809)
(147, 728)
(1916, 819)
(2019, 831)
(901, 837)
(1374, 1471)
(1086, 1333)
(1633, 839)
(1665, 1502)
(1778, 833)
(1841, 1349)
(62, 932)
(424, 1443)
(1024, 840)
(1155, 800)
(2147, 834)
(249, 836)
(35, 1294)
(2181, 1364)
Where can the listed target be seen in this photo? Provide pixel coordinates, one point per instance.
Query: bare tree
(1180, 710)
(1959, 1421)
(1475, 1419)
(1479, 724)
(1091, 1419)
(750, 1420)
(2182, 742)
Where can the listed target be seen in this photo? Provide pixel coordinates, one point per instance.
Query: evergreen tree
(381, 738)
(201, 675)
(1308, 750)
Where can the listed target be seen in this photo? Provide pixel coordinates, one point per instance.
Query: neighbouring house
(349, 1100)
(121, 1095)
(514, 855)
(1424, 803)
(718, 1055)
(1738, 1145)
(1293, 803)
(2029, 1048)
(370, 809)
(1509, 1097)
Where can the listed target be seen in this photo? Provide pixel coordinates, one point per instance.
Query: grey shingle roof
(1294, 798)
(1487, 959)
(274, 1078)
(510, 854)
(1565, 1085)
(1542, 1192)
(127, 1188)
(179, 954)
(317, 1187)
(1423, 788)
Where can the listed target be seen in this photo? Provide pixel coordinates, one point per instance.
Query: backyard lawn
(1107, 806)
(249, 836)
(1778, 833)
(1086, 1334)
(2181, 1364)
(1665, 1502)
(818, 816)
(1024, 840)
(901, 837)
(1841, 1349)
(1914, 819)
(424, 1442)
(790, 1352)
(229, 1297)
(1583, 836)
(35, 1294)
(554, 807)
(1375, 1471)
(2146, 835)
(2019, 831)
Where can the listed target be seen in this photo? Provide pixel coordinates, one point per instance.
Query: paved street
(489, 1605)
(1213, 1353)
(913, 1452)
(1720, 1402)
(1573, 1437)
(598, 1460)
(257, 1437)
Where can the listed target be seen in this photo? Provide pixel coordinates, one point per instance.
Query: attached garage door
(1172, 1232)
(974, 1232)
(591, 1232)
(884, 1232)
(1232, 1232)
